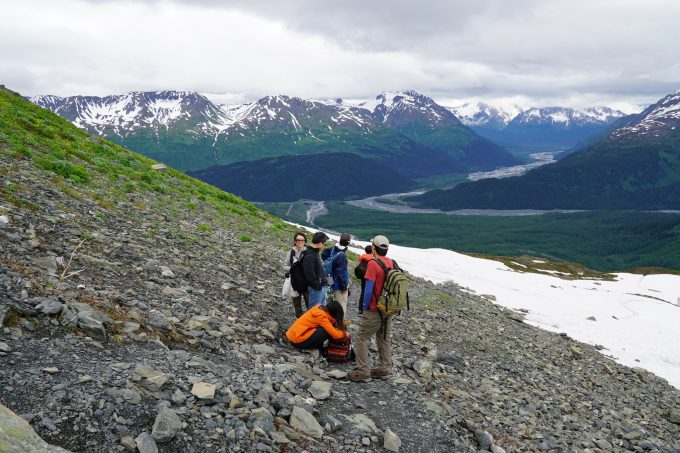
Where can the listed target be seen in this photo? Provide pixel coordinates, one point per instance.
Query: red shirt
(375, 273)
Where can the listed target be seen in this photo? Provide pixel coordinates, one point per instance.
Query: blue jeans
(316, 297)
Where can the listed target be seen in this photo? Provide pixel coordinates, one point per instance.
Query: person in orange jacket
(318, 324)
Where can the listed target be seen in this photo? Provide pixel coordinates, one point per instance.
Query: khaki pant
(341, 298)
(370, 325)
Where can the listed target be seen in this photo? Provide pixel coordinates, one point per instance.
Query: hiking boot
(347, 322)
(378, 373)
(358, 376)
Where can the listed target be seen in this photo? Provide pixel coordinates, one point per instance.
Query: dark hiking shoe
(378, 373)
(358, 376)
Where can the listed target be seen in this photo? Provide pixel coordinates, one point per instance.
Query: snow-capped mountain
(565, 118)
(658, 120)
(187, 130)
(126, 114)
(483, 115)
(635, 166)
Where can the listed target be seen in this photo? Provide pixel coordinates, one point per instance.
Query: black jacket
(313, 269)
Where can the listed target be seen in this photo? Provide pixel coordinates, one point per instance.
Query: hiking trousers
(341, 298)
(371, 325)
(297, 303)
(316, 341)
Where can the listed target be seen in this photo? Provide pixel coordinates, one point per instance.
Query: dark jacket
(340, 272)
(313, 269)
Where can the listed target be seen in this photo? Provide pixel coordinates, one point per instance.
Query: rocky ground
(135, 326)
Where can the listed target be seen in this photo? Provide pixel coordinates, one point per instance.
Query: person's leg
(305, 294)
(341, 298)
(369, 325)
(384, 343)
(297, 305)
(316, 341)
(316, 297)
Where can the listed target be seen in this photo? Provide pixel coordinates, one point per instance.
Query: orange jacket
(365, 257)
(305, 325)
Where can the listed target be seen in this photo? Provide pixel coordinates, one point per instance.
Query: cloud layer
(562, 52)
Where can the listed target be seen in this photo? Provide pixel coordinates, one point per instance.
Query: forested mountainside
(637, 166)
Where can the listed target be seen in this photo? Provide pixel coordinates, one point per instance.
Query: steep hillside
(330, 176)
(636, 167)
(140, 309)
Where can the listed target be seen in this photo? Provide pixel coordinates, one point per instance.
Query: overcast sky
(534, 52)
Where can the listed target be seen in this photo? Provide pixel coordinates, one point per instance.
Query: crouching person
(318, 324)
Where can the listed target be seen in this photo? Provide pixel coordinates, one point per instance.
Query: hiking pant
(297, 303)
(372, 325)
(341, 298)
(316, 297)
(316, 341)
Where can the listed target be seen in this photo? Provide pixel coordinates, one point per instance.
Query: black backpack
(360, 270)
(297, 275)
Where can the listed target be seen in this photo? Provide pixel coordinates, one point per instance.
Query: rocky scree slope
(140, 311)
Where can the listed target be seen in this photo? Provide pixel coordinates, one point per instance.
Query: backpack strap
(292, 254)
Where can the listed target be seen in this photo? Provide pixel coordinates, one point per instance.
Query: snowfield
(635, 318)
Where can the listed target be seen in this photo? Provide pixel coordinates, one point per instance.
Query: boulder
(17, 436)
(392, 441)
(166, 426)
(303, 421)
(203, 391)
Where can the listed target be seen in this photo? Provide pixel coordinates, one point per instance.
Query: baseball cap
(381, 241)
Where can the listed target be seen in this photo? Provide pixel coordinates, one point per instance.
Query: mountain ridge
(637, 166)
(166, 129)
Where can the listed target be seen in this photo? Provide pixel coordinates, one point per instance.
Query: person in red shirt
(372, 322)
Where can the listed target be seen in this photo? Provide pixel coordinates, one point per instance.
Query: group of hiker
(319, 275)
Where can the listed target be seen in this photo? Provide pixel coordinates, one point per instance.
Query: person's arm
(368, 293)
(286, 262)
(335, 333)
(341, 271)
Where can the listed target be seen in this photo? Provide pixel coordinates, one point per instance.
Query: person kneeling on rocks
(318, 324)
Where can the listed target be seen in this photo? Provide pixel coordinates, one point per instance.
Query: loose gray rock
(146, 444)
(166, 426)
(674, 416)
(150, 378)
(159, 321)
(423, 368)
(320, 390)
(302, 420)
(49, 306)
(392, 441)
(262, 418)
(203, 391)
(17, 436)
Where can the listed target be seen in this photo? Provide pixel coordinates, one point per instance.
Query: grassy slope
(88, 167)
(605, 241)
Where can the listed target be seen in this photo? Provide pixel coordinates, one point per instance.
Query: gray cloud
(561, 51)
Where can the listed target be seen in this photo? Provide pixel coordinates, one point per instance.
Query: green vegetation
(605, 240)
(246, 238)
(638, 173)
(33, 140)
(293, 212)
(328, 176)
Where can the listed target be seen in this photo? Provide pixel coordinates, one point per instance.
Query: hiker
(318, 324)
(360, 273)
(339, 272)
(299, 241)
(372, 322)
(313, 270)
